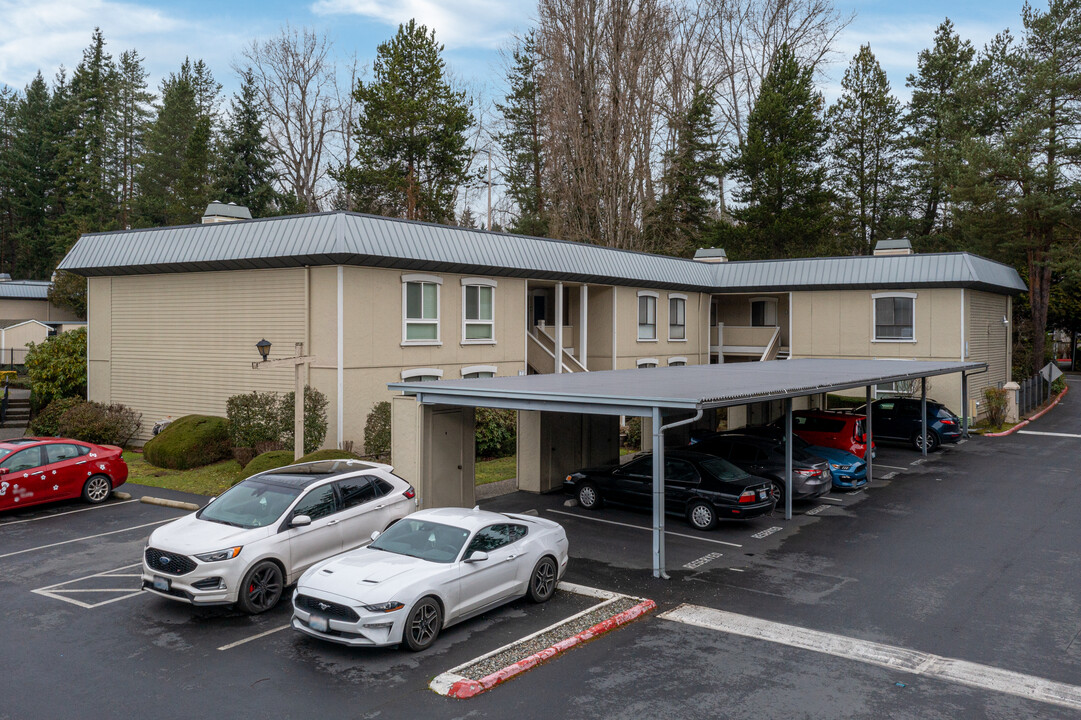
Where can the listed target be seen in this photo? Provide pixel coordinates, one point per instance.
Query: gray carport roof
(692, 387)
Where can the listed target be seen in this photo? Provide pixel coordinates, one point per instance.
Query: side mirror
(300, 521)
(375, 534)
(477, 556)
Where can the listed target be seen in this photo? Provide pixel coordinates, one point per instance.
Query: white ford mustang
(428, 571)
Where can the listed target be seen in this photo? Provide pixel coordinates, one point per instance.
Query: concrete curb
(462, 688)
(1027, 420)
(122, 495)
(169, 503)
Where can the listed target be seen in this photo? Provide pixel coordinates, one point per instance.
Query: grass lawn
(209, 480)
(490, 471)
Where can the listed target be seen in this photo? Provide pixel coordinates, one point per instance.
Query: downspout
(341, 357)
(658, 487)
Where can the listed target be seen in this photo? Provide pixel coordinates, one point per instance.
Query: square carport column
(552, 445)
(433, 448)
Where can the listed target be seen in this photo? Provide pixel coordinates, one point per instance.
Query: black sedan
(764, 456)
(701, 487)
(899, 419)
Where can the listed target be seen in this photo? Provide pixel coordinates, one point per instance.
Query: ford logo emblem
(164, 560)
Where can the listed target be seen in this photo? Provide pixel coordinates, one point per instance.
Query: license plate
(319, 624)
(161, 583)
(761, 494)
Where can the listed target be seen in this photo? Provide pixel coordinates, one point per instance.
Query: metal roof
(355, 239)
(690, 387)
(893, 244)
(229, 210)
(25, 289)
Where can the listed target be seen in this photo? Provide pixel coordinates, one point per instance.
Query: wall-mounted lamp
(263, 346)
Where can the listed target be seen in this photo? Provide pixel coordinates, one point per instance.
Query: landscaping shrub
(632, 431)
(996, 406)
(243, 455)
(189, 442)
(47, 422)
(1059, 385)
(57, 367)
(315, 419)
(377, 431)
(254, 418)
(496, 432)
(268, 461)
(329, 454)
(101, 424)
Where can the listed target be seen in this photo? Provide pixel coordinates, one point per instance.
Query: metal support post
(868, 437)
(788, 458)
(658, 496)
(559, 327)
(964, 405)
(298, 409)
(923, 413)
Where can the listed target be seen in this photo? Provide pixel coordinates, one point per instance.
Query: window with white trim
(478, 371)
(422, 375)
(677, 361)
(476, 375)
(420, 311)
(647, 316)
(677, 317)
(647, 362)
(895, 317)
(478, 313)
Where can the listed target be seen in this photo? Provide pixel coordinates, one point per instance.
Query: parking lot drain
(500, 665)
(164, 502)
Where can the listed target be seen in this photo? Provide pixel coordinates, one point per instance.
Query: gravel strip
(485, 667)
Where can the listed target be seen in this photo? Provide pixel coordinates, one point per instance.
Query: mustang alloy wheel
(542, 583)
(96, 489)
(423, 625)
(262, 588)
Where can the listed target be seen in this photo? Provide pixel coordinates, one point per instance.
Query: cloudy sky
(45, 34)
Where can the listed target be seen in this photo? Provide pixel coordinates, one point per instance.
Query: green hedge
(496, 432)
(268, 461)
(377, 430)
(329, 454)
(189, 442)
(47, 422)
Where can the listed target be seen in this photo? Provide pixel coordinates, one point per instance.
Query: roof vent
(5, 277)
(711, 255)
(217, 212)
(895, 246)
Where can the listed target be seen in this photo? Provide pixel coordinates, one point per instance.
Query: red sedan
(39, 470)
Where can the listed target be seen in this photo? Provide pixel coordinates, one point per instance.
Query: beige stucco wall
(735, 310)
(23, 309)
(629, 349)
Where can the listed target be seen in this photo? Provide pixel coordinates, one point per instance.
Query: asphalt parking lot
(971, 555)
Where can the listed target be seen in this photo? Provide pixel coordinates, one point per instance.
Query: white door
(312, 543)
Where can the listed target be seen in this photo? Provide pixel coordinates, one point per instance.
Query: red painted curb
(469, 688)
(1026, 421)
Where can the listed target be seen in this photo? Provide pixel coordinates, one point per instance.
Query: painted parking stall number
(704, 560)
(766, 533)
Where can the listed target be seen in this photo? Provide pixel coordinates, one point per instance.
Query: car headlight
(386, 607)
(226, 554)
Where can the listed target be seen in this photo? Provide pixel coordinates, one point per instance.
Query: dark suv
(899, 419)
(764, 457)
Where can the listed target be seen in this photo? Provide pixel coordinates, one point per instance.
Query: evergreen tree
(865, 133)
(683, 218)
(521, 139)
(934, 112)
(779, 169)
(133, 118)
(9, 103)
(244, 167)
(410, 133)
(32, 166)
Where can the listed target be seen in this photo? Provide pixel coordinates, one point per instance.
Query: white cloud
(486, 24)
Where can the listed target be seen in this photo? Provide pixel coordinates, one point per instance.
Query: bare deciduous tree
(297, 80)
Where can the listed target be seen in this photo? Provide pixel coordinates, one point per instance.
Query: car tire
(589, 497)
(97, 489)
(701, 515)
(423, 625)
(778, 492)
(932, 441)
(542, 581)
(262, 588)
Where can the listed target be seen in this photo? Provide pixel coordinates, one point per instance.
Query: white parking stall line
(254, 637)
(636, 527)
(821, 498)
(69, 512)
(963, 672)
(88, 537)
(891, 467)
(1048, 434)
(59, 591)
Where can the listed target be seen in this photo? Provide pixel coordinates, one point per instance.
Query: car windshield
(250, 504)
(722, 469)
(422, 539)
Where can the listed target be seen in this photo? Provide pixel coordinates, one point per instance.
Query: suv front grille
(169, 563)
(325, 607)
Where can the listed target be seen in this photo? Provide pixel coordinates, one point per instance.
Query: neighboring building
(29, 300)
(175, 312)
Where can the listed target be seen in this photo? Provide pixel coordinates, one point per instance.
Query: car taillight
(747, 496)
(946, 421)
(808, 473)
(410, 493)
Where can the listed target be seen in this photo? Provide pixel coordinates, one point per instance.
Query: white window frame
(470, 369)
(652, 362)
(776, 311)
(478, 282)
(681, 361)
(874, 316)
(682, 298)
(638, 314)
(420, 372)
(406, 322)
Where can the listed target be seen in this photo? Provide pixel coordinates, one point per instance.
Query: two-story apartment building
(175, 312)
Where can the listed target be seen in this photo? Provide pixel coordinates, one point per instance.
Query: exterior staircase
(16, 412)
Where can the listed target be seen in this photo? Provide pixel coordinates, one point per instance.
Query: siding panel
(987, 340)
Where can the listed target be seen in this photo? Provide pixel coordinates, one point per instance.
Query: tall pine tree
(244, 166)
(133, 115)
(521, 139)
(786, 206)
(865, 149)
(32, 168)
(411, 132)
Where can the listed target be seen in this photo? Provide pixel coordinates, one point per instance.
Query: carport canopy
(663, 392)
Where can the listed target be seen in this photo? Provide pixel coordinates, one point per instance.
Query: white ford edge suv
(260, 535)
